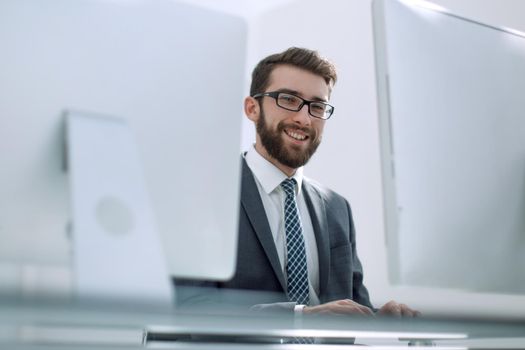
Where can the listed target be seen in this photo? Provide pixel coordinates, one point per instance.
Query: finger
(360, 309)
(363, 309)
(406, 311)
(391, 308)
(366, 310)
(348, 309)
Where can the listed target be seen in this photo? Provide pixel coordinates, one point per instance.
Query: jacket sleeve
(359, 291)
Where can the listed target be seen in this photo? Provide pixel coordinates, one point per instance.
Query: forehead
(307, 84)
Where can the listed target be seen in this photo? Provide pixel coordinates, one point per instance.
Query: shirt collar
(269, 176)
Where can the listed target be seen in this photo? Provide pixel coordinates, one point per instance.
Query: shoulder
(333, 208)
(329, 196)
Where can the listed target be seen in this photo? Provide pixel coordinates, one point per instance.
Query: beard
(293, 156)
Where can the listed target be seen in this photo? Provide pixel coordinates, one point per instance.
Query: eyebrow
(294, 92)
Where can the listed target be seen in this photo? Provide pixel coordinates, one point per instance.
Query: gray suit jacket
(258, 267)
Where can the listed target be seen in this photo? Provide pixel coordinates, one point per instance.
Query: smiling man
(296, 237)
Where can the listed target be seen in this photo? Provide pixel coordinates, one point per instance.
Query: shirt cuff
(298, 309)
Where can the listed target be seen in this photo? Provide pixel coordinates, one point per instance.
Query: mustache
(308, 131)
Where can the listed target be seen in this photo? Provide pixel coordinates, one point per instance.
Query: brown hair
(299, 57)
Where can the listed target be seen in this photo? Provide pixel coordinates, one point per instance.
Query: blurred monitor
(174, 73)
(452, 129)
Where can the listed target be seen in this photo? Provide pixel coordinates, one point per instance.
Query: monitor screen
(453, 149)
(172, 71)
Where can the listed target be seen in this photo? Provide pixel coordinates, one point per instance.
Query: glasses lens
(289, 101)
(320, 110)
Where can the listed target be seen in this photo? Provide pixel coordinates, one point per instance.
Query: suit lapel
(254, 208)
(316, 208)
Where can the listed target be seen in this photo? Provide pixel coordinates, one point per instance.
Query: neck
(285, 169)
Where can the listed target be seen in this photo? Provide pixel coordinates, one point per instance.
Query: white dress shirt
(268, 179)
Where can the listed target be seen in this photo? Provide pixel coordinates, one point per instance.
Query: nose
(302, 116)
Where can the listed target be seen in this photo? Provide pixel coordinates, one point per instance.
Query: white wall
(348, 159)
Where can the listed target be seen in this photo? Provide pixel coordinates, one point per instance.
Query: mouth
(297, 135)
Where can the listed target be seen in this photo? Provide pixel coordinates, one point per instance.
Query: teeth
(296, 136)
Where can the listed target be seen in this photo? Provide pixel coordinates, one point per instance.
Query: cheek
(319, 127)
(275, 122)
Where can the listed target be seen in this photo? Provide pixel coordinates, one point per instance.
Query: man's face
(289, 137)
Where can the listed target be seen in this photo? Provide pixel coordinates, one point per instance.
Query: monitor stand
(117, 254)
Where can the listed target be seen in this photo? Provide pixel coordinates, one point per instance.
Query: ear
(251, 108)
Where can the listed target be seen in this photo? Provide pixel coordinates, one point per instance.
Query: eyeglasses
(294, 103)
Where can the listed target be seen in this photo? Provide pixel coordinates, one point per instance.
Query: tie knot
(288, 186)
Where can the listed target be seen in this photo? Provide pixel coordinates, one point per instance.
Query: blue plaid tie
(296, 267)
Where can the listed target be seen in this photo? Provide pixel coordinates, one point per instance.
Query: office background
(349, 158)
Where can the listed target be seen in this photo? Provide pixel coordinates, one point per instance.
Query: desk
(68, 325)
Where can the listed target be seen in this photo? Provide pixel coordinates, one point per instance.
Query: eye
(289, 100)
(318, 107)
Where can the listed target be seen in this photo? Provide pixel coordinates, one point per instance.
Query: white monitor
(172, 71)
(452, 129)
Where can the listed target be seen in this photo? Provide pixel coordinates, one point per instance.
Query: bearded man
(296, 237)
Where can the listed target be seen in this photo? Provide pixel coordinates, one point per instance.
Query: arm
(209, 296)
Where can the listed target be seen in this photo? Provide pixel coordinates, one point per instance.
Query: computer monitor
(173, 72)
(453, 149)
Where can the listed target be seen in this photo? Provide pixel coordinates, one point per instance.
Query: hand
(393, 308)
(339, 307)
